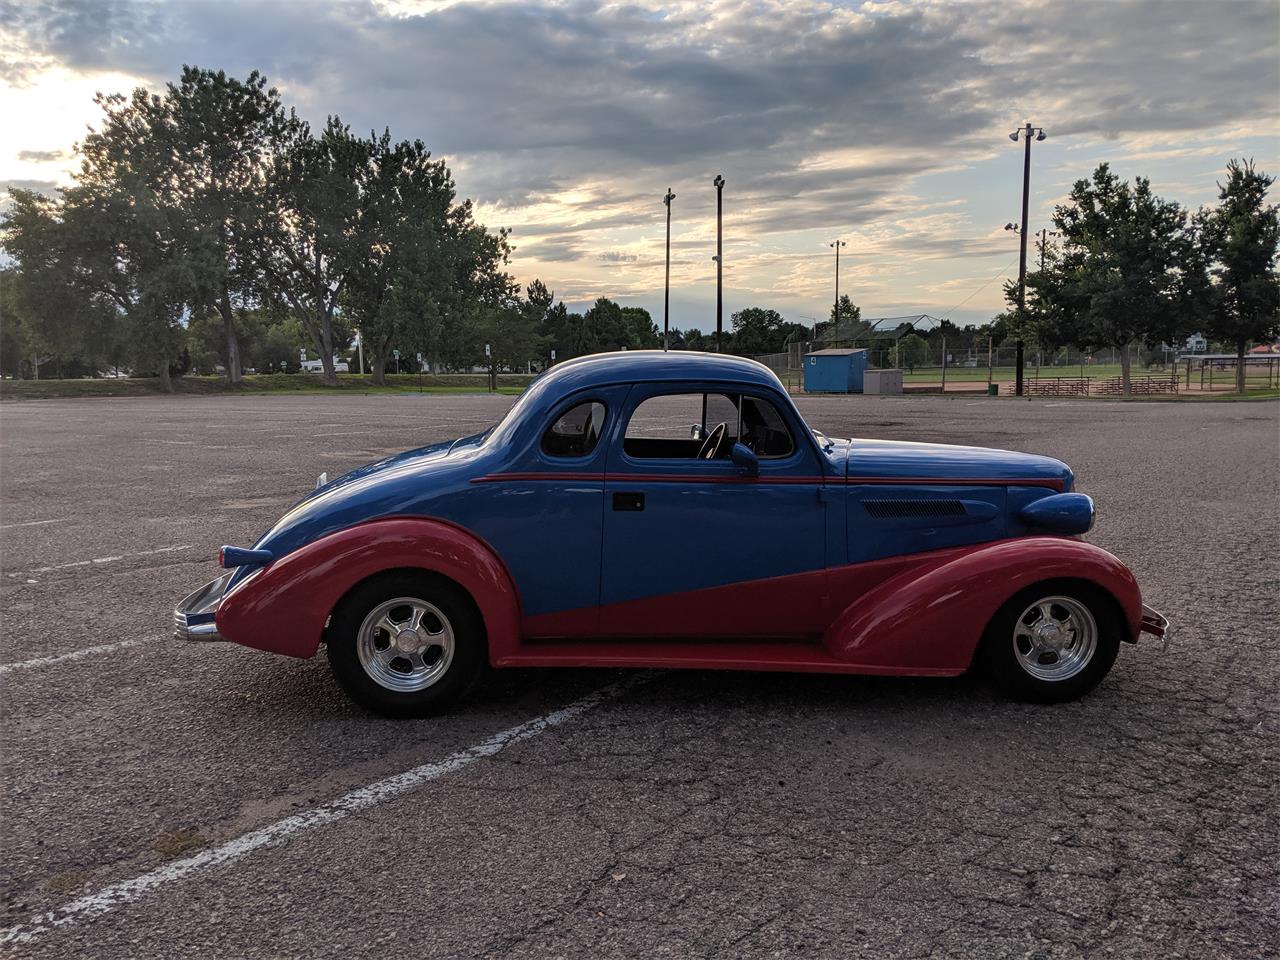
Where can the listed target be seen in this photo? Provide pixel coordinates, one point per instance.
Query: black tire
(447, 606)
(1009, 661)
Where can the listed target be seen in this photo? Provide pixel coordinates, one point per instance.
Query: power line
(1003, 271)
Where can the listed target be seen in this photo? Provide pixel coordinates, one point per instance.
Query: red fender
(931, 616)
(284, 608)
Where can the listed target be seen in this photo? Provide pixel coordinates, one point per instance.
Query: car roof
(648, 366)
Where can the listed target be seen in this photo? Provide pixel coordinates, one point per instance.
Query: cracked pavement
(697, 814)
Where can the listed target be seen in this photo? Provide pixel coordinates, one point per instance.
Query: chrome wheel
(1055, 638)
(405, 644)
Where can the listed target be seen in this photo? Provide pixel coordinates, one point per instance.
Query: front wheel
(1053, 642)
(406, 644)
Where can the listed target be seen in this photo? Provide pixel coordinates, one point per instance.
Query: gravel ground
(676, 815)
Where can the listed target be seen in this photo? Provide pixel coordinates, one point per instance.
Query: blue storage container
(834, 371)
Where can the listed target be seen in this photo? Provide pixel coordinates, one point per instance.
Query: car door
(542, 514)
(692, 548)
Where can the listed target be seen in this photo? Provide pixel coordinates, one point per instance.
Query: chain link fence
(1068, 371)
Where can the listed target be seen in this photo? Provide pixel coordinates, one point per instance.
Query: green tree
(512, 336)
(51, 316)
(602, 328)
(912, 351)
(756, 330)
(849, 312)
(129, 244)
(220, 135)
(315, 234)
(395, 292)
(1127, 272)
(639, 329)
(1239, 238)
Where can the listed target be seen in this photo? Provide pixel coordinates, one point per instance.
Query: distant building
(1196, 344)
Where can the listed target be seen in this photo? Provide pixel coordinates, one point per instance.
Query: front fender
(285, 607)
(932, 615)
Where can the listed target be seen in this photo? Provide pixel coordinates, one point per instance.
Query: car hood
(399, 484)
(892, 459)
(420, 456)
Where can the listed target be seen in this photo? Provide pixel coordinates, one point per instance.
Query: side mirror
(697, 432)
(746, 462)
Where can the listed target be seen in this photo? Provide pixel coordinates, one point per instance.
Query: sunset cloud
(885, 122)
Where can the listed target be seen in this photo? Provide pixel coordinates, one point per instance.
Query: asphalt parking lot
(166, 800)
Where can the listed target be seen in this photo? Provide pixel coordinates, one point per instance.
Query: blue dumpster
(834, 371)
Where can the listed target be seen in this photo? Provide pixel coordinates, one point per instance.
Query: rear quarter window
(575, 432)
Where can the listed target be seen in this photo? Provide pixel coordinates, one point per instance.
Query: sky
(884, 124)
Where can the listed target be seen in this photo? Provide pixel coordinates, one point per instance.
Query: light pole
(718, 183)
(835, 313)
(666, 294)
(1027, 132)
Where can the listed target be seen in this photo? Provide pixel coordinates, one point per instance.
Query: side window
(666, 427)
(723, 408)
(764, 430)
(676, 426)
(575, 432)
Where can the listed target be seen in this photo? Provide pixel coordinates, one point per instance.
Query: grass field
(262, 383)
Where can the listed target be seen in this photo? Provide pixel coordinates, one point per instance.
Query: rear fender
(932, 615)
(284, 607)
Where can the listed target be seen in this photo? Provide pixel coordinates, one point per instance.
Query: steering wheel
(711, 446)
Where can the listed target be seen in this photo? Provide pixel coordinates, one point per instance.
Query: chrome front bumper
(1156, 625)
(194, 617)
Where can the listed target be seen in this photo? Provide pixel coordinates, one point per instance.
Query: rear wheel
(1053, 642)
(406, 644)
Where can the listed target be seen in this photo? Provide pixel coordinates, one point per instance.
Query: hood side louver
(885, 509)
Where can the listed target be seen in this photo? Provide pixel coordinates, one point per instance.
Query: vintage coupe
(649, 509)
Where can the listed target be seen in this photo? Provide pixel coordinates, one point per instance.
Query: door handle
(628, 501)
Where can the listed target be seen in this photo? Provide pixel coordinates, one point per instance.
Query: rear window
(575, 432)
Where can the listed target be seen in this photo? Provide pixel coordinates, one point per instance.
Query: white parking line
(73, 655)
(101, 560)
(33, 523)
(95, 904)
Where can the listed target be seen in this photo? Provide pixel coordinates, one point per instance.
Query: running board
(797, 656)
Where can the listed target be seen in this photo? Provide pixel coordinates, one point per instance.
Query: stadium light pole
(666, 293)
(836, 312)
(718, 183)
(1027, 132)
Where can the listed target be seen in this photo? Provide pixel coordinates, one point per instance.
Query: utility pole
(718, 183)
(666, 296)
(835, 313)
(1027, 133)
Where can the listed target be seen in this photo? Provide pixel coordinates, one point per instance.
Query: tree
(602, 328)
(511, 334)
(114, 239)
(315, 234)
(756, 330)
(849, 312)
(49, 314)
(912, 350)
(639, 329)
(220, 135)
(1127, 271)
(395, 292)
(1239, 238)
(850, 325)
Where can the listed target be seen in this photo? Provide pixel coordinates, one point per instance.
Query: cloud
(41, 156)
(568, 120)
